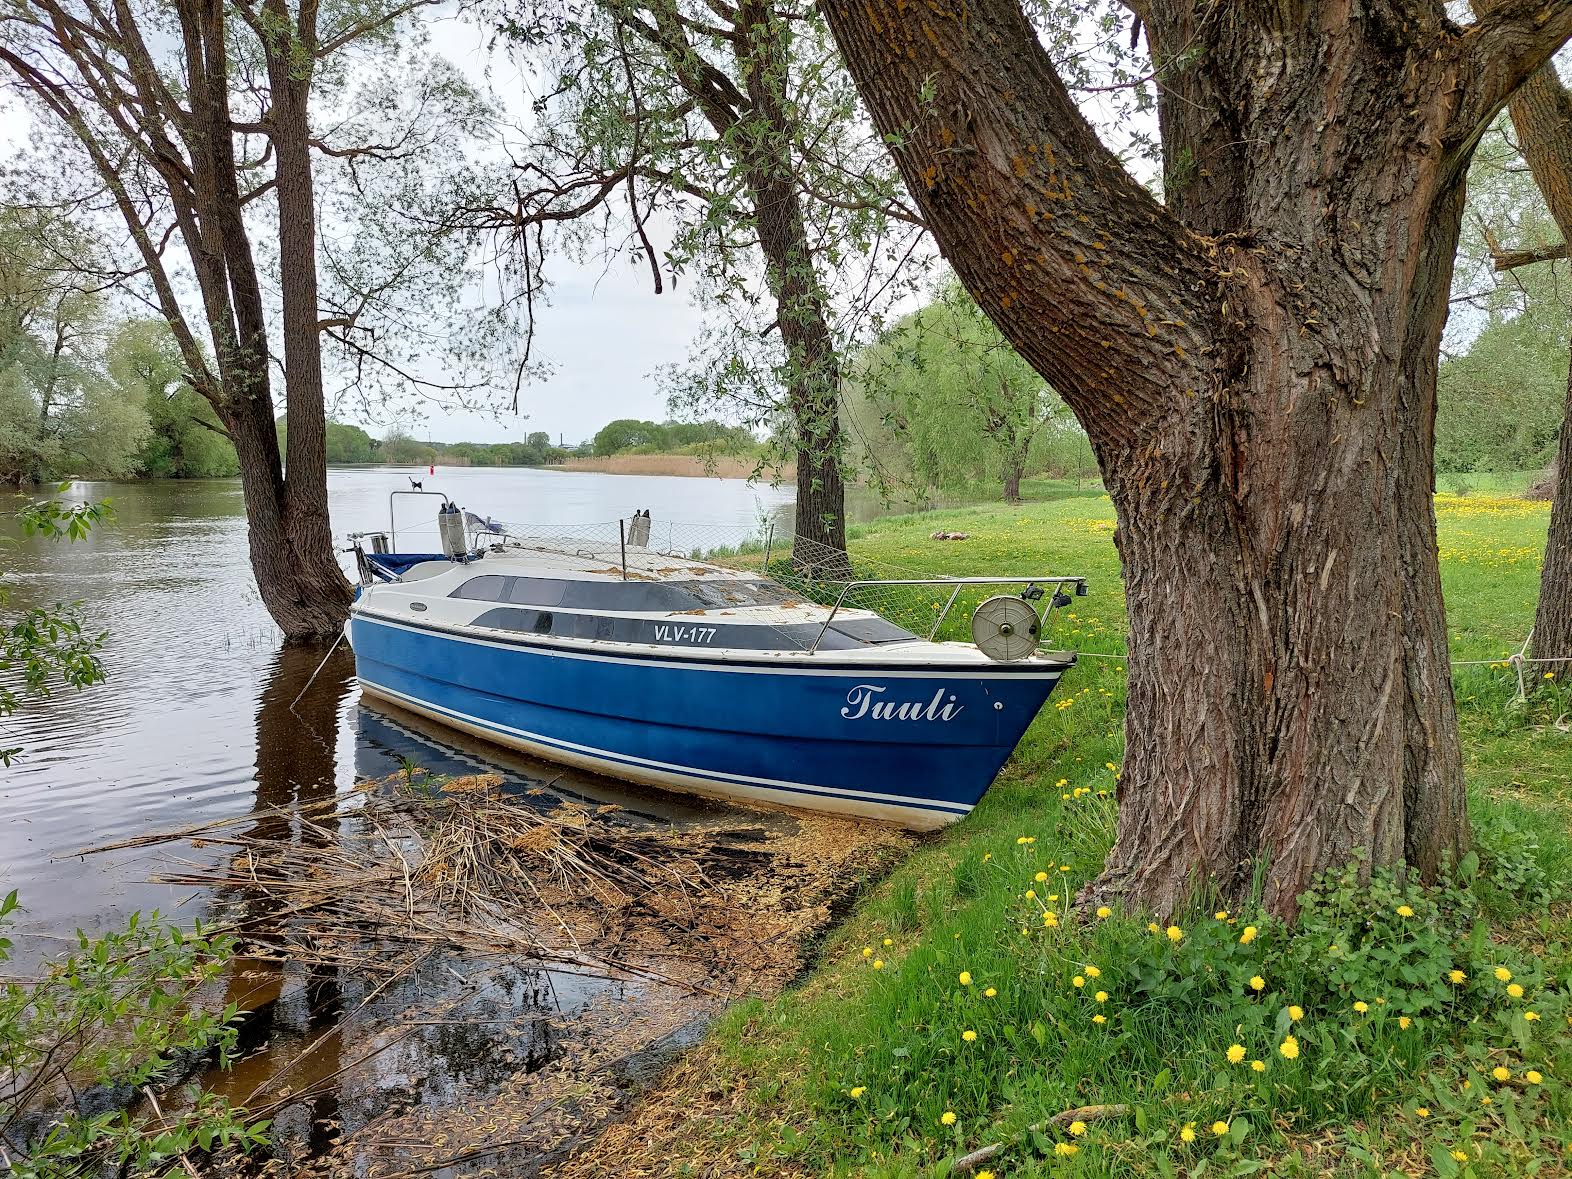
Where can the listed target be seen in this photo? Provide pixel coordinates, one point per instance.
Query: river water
(205, 715)
(195, 719)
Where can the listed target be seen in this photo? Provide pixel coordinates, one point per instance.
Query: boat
(741, 677)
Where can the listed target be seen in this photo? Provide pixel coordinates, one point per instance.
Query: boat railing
(1057, 598)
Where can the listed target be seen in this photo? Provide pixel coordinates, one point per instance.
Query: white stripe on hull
(785, 795)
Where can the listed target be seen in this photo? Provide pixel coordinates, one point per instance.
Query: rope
(320, 666)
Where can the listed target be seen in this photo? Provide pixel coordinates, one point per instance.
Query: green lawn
(858, 1070)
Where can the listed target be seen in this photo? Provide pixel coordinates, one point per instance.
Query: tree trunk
(1542, 115)
(1012, 483)
(1553, 615)
(813, 374)
(1255, 367)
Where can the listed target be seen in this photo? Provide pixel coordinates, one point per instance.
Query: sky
(603, 334)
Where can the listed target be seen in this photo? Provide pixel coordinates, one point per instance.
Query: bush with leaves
(86, 1051)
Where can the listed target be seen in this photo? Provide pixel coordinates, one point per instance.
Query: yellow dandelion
(1236, 1053)
(1051, 920)
(878, 963)
(1101, 996)
(1077, 1128)
(1099, 1019)
(1040, 877)
(1066, 1149)
(1247, 935)
(1289, 1048)
(889, 942)
(989, 993)
(966, 978)
(1404, 1023)
(1501, 1073)
(867, 951)
(1151, 927)
(1456, 976)
(968, 1035)
(858, 1090)
(1219, 1128)
(1093, 972)
(1220, 915)
(1533, 1077)
(1295, 1011)
(1515, 990)
(1404, 911)
(1078, 981)
(1257, 983)
(1422, 1111)
(1361, 1006)
(1460, 1155)
(1258, 1066)
(1031, 894)
(1503, 974)
(1531, 1016)
(1104, 912)
(947, 1118)
(1175, 934)
(1188, 1133)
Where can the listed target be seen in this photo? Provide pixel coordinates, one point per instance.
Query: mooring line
(342, 632)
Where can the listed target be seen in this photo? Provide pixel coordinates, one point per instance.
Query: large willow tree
(1254, 360)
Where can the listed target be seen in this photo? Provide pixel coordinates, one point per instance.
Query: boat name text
(860, 702)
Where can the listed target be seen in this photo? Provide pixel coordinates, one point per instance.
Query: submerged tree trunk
(1255, 366)
(813, 374)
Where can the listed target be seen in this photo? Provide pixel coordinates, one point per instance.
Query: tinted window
(488, 588)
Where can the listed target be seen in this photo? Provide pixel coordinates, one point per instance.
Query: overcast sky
(604, 333)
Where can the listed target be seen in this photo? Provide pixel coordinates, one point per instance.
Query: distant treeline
(351, 444)
(630, 436)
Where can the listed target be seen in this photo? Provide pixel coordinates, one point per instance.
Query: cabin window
(490, 587)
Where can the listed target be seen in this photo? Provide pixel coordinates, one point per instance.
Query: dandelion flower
(1065, 1149)
(1460, 1155)
(878, 963)
(1501, 1073)
(1422, 1111)
(1456, 976)
(1289, 1048)
(1361, 1006)
(1104, 912)
(1295, 1011)
(858, 1090)
(1093, 972)
(1236, 1053)
(1151, 927)
(1051, 920)
(1404, 1023)
(1020, 839)
(1219, 1128)
(947, 1118)
(1257, 983)
(1503, 974)
(1515, 990)
(1099, 1019)
(1175, 934)
(867, 951)
(1533, 1077)
(1531, 1016)
(1404, 911)
(1040, 877)
(1101, 996)
(989, 993)
(1077, 1128)
(1188, 1133)
(1247, 935)
(889, 941)
(1077, 981)
(1258, 1066)
(968, 1035)
(984, 1175)
(966, 978)
(1221, 915)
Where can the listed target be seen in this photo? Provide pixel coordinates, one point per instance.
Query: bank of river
(205, 717)
(724, 466)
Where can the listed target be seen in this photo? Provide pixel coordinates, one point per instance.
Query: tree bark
(1012, 484)
(1542, 114)
(1254, 364)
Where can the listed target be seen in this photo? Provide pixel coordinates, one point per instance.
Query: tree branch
(1500, 50)
(1511, 259)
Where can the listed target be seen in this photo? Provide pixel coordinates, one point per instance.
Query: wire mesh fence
(911, 597)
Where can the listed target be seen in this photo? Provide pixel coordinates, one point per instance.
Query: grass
(856, 1071)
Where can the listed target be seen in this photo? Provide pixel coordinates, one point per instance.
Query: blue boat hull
(914, 746)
